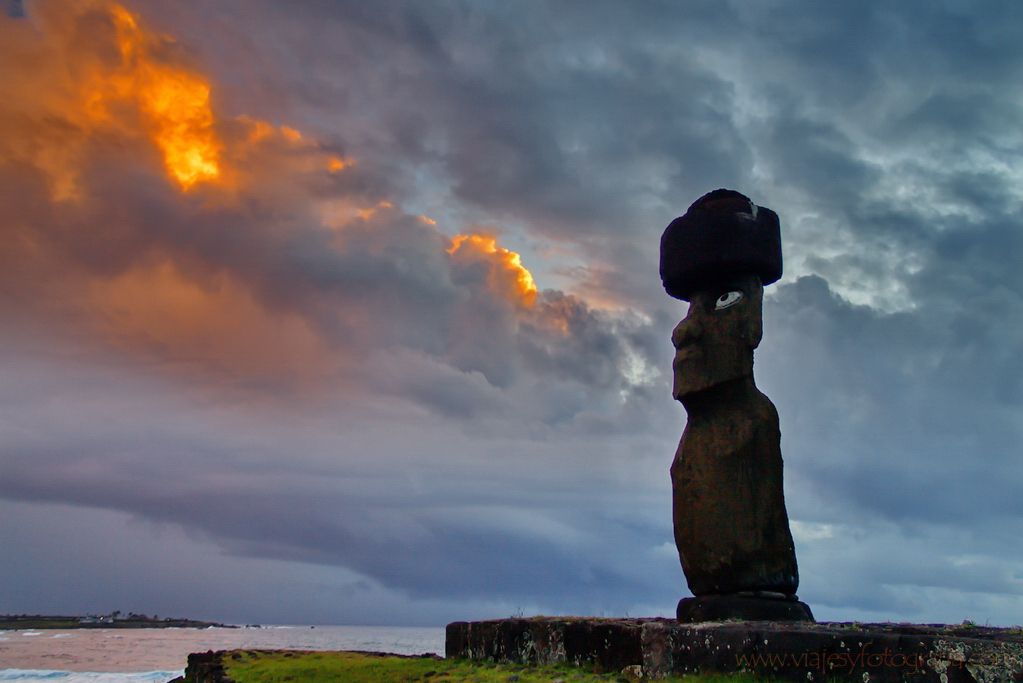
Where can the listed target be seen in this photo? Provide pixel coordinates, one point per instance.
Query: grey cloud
(418, 520)
(905, 423)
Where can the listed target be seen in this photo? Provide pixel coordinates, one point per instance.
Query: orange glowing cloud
(148, 277)
(291, 133)
(368, 212)
(140, 90)
(507, 275)
(174, 103)
(335, 164)
(208, 323)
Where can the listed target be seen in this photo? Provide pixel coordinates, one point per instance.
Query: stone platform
(654, 648)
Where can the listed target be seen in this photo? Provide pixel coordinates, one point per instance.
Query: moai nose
(686, 332)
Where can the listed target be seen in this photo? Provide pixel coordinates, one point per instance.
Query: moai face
(714, 343)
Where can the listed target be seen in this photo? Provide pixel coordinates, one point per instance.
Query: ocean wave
(31, 633)
(50, 676)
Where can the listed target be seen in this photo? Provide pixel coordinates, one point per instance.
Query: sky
(348, 313)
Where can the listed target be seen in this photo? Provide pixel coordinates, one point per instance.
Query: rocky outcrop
(205, 667)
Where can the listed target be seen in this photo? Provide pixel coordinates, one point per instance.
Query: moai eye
(728, 299)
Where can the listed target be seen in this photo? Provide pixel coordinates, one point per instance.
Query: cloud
(214, 259)
(244, 228)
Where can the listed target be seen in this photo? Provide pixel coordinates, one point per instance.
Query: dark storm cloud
(906, 422)
(596, 136)
(470, 446)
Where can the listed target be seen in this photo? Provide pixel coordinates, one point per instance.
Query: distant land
(12, 622)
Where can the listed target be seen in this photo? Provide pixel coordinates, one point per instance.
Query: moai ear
(756, 318)
(756, 332)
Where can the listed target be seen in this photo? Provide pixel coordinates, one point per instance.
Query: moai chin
(731, 527)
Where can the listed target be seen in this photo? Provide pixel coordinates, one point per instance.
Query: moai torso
(731, 526)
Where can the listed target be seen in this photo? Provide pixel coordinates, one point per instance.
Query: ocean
(158, 655)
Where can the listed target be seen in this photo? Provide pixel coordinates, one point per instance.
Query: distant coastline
(21, 622)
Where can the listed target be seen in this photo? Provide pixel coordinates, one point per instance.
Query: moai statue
(731, 527)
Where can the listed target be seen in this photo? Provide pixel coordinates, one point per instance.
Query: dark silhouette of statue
(730, 522)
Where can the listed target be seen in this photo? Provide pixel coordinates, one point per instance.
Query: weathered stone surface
(729, 516)
(730, 523)
(610, 644)
(206, 667)
(724, 607)
(797, 651)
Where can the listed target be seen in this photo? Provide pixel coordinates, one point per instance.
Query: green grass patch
(352, 667)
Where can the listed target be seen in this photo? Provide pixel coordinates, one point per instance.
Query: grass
(352, 667)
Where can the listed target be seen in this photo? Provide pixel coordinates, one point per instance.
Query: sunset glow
(509, 261)
(335, 164)
(210, 325)
(291, 133)
(368, 212)
(174, 104)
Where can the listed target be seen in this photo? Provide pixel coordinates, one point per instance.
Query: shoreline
(146, 650)
(33, 622)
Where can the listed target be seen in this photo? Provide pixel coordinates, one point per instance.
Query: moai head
(714, 343)
(718, 257)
